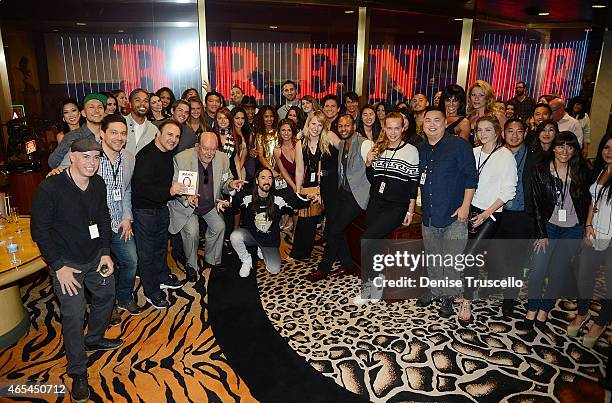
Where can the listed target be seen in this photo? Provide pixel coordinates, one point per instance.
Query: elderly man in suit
(213, 177)
(140, 130)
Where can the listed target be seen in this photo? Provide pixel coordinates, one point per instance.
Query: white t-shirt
(602, 220)
(497, 177)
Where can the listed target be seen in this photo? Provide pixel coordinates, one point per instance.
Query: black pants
(337, 246)
(304, 239)
(512, 257)
(382, 218)
(475, 245)
(151, 232)
(73, 308)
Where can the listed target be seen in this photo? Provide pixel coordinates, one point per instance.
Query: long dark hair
(376, 127)
(536, 145)
(600, 165)
(577, 165)
(68, 101)
(570, 107)
(260, 126)
(300, 116)
(247, 131)
(258, 201)
(172, 99)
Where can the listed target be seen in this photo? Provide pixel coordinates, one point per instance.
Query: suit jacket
(187, 160)
(355, 170)
(149, 135)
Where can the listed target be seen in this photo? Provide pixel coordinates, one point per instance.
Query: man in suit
(213, 177)
(353, 194)
(140, 130)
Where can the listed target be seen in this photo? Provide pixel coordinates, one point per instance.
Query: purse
(315, 209)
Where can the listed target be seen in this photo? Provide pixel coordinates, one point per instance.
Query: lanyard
(393, 155)
(564, 187)
(481, 167)
(113, 170)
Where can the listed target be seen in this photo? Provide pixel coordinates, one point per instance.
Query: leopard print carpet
(397, 351)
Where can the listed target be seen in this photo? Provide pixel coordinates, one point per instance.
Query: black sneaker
(446, 308)
(80, 388)
(103, 345)
(158, 301)
(171, 283)
(425, 300)
(131, 307)
(507, 307)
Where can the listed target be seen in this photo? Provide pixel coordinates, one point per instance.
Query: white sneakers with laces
(245, 269)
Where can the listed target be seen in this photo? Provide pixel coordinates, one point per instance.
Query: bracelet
(588, 225)
(409, 213)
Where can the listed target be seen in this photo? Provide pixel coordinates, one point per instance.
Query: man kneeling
(261, 217)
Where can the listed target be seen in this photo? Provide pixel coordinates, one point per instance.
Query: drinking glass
(15, 218)
(471, 228)
(105, 273)
(12, 248)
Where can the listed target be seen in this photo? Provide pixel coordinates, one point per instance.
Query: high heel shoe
(573, 330)
(589, 341)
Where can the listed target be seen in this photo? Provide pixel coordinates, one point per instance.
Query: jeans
(242, 238)
(554, 264)
(441, 241)
(124, 252)
(73, 308)
(151, 231)
(590, 261)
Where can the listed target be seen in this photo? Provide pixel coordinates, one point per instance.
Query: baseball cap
(85, 145)
(100, 97)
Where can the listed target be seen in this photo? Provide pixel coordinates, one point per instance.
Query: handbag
(315, 209)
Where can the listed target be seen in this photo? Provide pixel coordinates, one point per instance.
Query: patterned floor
(400, 352)
(167, 355)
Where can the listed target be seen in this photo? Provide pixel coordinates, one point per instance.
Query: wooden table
(14, 320)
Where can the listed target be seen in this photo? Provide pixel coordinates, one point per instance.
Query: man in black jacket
(152, 188)
(71, 225)
(516, 220)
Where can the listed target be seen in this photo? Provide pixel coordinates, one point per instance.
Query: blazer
(187, 160)
(355, 170)
(149, 135)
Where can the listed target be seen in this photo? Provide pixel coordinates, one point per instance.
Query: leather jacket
(544, 192)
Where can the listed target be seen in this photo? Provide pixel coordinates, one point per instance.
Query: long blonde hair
(324, 143)
(381, 143)
(489, 97)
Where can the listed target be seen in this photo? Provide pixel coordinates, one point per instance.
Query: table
(14, 321)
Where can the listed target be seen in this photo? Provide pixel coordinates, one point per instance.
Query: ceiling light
(349, 12)
(458, 19)
(182, 24)
(55, 30)
(82, 24)
(588, 29)
(543, 14)
(420, 32)
(599, 5)
(273, 27)
(120, 30)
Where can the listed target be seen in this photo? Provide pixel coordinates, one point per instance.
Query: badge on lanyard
(93, 231)
(423, 178)
(382, 187)
(313, 177)
(116, 195)
(562, 215)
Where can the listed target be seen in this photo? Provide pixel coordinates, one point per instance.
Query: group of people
(118, 193)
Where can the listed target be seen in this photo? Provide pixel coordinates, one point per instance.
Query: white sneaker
(259, 253)
(245, 269)
(369, 293)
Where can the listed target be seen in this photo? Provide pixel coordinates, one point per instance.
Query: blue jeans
(554, 264)
(124, 252)
(151, 232)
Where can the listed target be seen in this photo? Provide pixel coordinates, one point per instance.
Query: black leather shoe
(131, 307)
(192, 275)
(104, 344)
(158, 301)
(115, 319)
(525, 325)
(446, 308)
(425, 300)
(80, 388)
